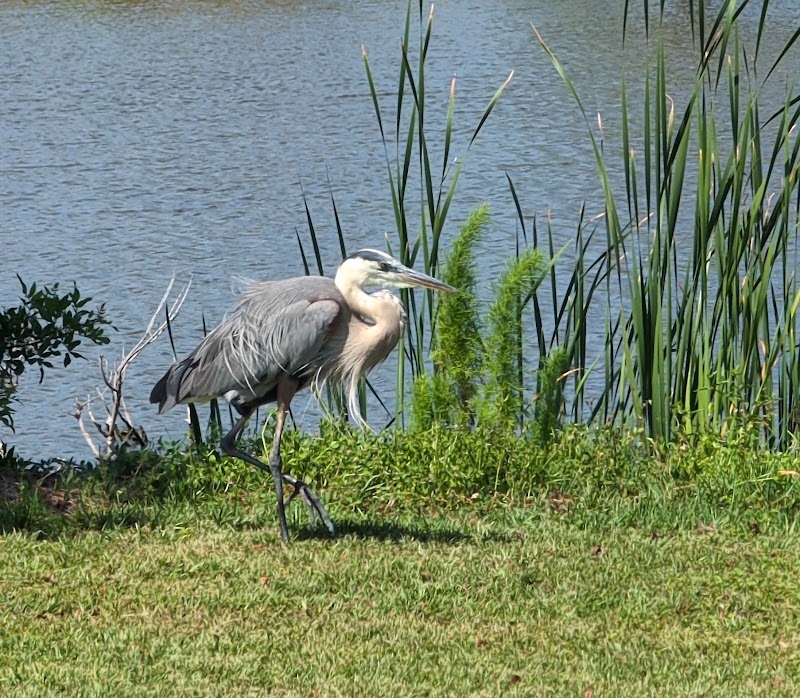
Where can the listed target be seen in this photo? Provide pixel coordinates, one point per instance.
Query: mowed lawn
(506, 602)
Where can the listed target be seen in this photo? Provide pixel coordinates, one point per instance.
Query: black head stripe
(371, 256)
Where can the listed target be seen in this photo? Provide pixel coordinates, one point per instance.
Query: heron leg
(228, 445)
(315, 509)
(276, 466)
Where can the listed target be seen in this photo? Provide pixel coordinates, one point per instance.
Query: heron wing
(252, 349)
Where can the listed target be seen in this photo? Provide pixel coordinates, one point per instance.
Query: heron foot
(316, 512)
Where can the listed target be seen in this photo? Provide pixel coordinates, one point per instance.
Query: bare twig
(113, 377)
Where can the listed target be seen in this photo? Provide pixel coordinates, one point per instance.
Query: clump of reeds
(702, 250)
(421, 190)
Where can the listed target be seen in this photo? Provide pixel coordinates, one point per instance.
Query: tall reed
(420, 204)
(706, 335)
(423, 208)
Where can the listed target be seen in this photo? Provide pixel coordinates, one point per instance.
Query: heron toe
(315, 509)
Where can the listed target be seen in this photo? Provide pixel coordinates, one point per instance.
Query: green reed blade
(374, 94)
(306, 269)
(448, 132)
(520, 217)
(785, 50)
(402, 79)
(313, 233)
(490, 107)
(339, 232)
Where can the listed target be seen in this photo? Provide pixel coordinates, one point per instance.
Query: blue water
(146, 139)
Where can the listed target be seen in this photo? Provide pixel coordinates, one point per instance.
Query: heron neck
(361, 302)
(358, 300)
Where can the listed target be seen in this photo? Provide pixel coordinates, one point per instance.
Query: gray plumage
(278, 330)
(286, 335)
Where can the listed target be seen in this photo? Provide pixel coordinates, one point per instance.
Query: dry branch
(117, 428)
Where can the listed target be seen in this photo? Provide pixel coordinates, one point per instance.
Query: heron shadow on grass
(394, 532)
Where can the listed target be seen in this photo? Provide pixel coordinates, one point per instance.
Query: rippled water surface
(146, 139)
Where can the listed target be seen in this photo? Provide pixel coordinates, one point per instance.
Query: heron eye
(384, 266)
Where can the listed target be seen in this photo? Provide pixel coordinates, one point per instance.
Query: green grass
(605, 478)
(514, 601)
(464, 565)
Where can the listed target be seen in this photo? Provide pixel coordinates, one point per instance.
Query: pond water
(146, 139)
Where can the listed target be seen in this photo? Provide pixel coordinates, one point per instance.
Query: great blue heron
(285, 335)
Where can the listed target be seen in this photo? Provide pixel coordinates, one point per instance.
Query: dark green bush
(46, 325)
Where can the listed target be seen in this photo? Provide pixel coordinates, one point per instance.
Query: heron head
(374, 268)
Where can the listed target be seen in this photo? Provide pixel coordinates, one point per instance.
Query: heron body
(245, 358)
(286, 335)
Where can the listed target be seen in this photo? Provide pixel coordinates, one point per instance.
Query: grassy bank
(594, 478)
(599, 566)
(506, 602)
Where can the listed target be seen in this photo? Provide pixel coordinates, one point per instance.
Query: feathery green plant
(434, 400)
(476, 376)
(457, 346)
(446, 395)
(502, 404)
(549, 401)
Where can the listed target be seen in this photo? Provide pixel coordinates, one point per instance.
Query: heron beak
(409, 277)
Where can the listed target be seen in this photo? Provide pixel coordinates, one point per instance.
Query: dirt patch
(55, 500)
(559, 502)
(9, 488)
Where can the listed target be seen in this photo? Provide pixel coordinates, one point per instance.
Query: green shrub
(47, 325)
